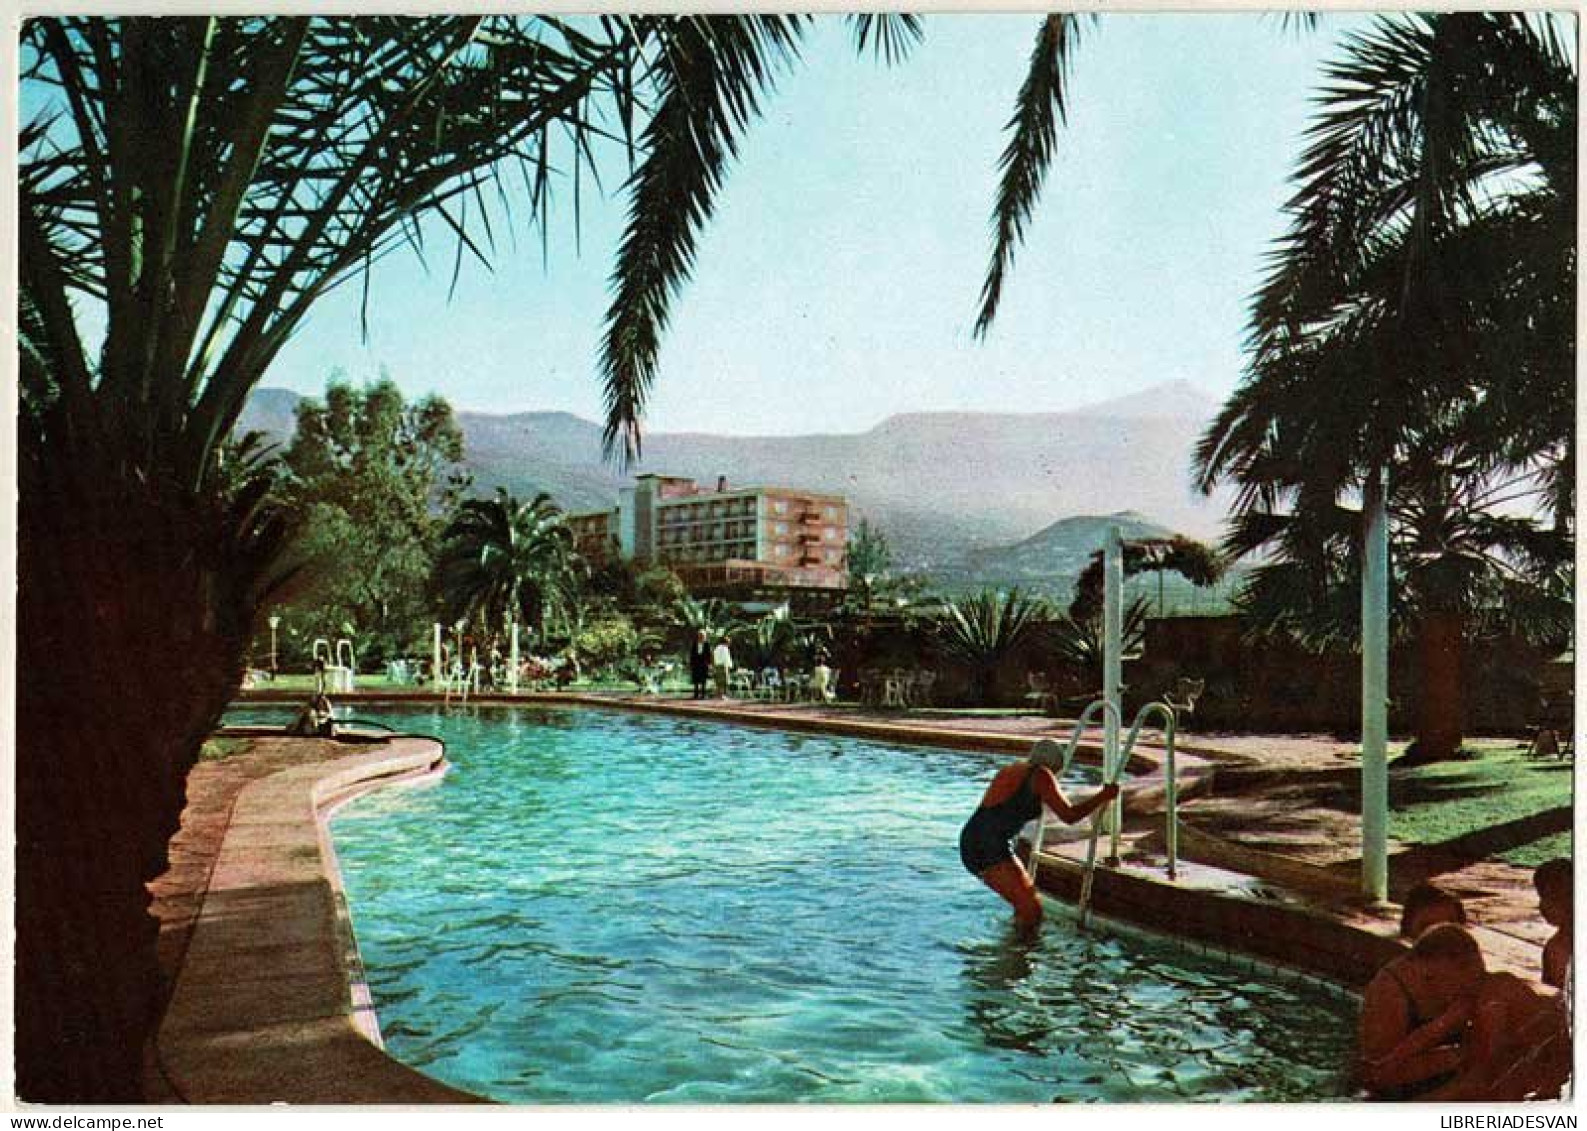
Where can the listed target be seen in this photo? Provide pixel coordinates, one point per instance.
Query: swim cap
(1046, 752)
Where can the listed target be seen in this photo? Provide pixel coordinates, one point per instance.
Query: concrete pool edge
(268, 1006)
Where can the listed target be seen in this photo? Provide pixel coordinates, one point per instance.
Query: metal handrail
(1081, 725)
(1111, 774)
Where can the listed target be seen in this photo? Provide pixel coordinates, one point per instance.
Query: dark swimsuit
(1419, 1088)
(988, 836)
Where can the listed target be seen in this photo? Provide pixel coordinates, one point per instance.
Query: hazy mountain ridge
(943, 486)
(1048, 561)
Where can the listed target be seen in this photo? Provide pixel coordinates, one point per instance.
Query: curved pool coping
(298, 1027)
(268, 1005)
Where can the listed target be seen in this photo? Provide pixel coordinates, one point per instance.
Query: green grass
(305, 684)
(216, 748)
(1440, 802)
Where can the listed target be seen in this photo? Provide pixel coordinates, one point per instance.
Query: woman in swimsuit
(1015, 797)
(1415, 1014)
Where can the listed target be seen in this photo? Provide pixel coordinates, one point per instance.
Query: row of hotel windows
(675, 513)
(731, 531)
(720, 551)
(695, 512)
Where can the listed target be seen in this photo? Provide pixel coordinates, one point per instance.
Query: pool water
(605, 907)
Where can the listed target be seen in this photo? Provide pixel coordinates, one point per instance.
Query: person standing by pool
(722, 666)
(699, 663)
(1016, 797)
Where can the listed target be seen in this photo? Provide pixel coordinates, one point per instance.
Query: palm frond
(891, 35)
(1039, 109)
(711, 74)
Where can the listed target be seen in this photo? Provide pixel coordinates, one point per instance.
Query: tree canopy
(368, 475)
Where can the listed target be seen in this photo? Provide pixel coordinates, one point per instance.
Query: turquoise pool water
(603, 907)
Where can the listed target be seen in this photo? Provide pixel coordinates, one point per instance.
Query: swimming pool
(607, 907)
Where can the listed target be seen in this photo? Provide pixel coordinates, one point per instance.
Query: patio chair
(742, 681)
(1039, 693)
(1552, 734)
(1183, 694)
(770, 683)
(922, 689)
(895, 689)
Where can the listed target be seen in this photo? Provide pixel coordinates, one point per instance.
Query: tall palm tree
(985, 629)
(201, 183)
(504, 561)
(1462, 570)
(1416, 319)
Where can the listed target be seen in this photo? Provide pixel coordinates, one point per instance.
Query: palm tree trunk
(126, 658)
(1440, 706)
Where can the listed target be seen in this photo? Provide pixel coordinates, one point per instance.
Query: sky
(837, 283)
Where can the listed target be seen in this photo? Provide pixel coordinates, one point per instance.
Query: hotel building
(741, 542)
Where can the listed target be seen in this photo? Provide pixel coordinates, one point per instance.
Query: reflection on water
(1114, 1019)
(618, 909)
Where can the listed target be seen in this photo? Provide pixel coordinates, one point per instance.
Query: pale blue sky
(838, 281)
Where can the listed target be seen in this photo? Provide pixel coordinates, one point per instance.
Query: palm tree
(1462, 570)
(711, 616)
(1077, 638)
(986, 628)
(773, 638)
(503, 561)
(1196, 562)
(1415, 319)
(201, 183)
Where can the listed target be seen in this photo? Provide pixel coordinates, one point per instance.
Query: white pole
(1375, 688)
(1112, 666)
(435, 657)
(512, 660)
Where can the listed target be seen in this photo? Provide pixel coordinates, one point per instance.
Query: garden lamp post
(275, 622)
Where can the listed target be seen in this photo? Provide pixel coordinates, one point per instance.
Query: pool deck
(266, 1004)
(254, 888)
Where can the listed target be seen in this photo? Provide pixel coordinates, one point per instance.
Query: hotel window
(831, 513)
(780, 506)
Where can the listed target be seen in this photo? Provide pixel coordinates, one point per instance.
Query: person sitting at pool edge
(1556, 899)
(1519, 1043)
(1015, 797)
(1414, 1016)
(1427, 905)
(317, 718)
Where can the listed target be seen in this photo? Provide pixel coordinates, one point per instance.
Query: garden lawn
(1434, 804)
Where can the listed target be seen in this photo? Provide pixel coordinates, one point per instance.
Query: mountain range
(955, 492)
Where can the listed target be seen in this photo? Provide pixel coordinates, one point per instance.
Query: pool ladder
(1111, 772)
